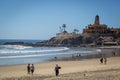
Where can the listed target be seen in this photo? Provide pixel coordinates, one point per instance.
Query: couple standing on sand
(103, 60)
(30, 69)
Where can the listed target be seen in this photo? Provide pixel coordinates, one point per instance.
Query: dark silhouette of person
(101, 60)
(57, 70)
(28, 68)
(32, 68)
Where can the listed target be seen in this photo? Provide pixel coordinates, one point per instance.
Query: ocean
(17, 54)
(19, 40)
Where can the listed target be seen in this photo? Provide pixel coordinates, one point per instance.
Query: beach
(89, 67)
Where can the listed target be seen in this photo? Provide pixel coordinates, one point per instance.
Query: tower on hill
(96, 27)
(97, 20)
(101, 29)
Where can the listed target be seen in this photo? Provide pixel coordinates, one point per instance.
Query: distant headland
(93, 35)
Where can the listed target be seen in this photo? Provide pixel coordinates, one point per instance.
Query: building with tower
(98, 28)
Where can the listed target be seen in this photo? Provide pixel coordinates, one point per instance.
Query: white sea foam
(34, 55)
(33, 51)
(18, 51)
(22, 56)
(98, 50)
(19, 47)
(38, 55)
(7, 51)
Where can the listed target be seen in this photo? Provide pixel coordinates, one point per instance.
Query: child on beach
(103, 60)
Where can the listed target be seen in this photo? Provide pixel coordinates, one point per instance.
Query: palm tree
(64, 26)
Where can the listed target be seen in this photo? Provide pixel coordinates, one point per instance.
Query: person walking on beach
(32, 69)
(28, 68)
(57, 70)
(101, 60)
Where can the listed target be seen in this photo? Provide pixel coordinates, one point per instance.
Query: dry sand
(90, 66)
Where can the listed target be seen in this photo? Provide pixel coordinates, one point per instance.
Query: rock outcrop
(69, 40)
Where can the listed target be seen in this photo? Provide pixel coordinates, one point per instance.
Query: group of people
(30, 68)
(103, 60)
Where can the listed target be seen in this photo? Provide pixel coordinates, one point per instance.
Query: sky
(41, 19)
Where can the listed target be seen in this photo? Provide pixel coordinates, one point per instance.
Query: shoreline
(79, 57)
(75, 57)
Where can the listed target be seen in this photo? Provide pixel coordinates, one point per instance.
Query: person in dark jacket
(57, 70)
(28, 68)
(101, 60)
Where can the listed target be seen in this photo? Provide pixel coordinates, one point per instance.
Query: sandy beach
(68, 67)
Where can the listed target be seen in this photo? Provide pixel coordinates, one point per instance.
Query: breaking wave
(18, 47)
(20, 50)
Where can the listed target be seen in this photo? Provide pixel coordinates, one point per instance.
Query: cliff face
(70, 40)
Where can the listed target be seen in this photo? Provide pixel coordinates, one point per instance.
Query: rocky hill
(66, 40)
(81, 40)
(69, 40)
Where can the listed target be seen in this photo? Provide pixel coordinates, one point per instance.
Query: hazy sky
(41, 19)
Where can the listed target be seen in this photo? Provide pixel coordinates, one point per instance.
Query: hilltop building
(101, 29)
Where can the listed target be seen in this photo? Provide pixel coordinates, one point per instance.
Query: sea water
(18, 54)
